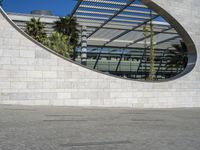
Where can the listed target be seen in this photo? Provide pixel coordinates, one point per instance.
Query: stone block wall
(32, 75)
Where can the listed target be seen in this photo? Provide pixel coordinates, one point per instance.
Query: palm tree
(152, 54)
(35, 29)
(58, 42)
(177, 58)
(145, 33)
(68, 26)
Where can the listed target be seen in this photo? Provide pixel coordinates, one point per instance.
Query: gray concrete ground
(71, 128)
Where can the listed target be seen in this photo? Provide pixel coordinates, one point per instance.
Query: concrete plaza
(74, 128)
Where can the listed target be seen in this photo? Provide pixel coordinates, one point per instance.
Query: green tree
(35, 29)
(152, 56)
(58, 42)
(145, 33)
(177, 59)
(68, 26)
(152, 70)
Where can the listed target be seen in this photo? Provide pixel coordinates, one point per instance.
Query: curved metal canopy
(119, 23)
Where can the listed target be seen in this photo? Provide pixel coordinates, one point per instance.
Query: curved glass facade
(129, 40)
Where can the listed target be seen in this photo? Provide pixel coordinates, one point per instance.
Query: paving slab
(86, 128)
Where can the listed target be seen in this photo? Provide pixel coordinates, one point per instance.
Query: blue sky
(58, 7)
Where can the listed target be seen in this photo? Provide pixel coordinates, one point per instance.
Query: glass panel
(144, 47)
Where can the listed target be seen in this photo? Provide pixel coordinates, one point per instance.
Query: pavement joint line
(65, 120)
(147, 120)
(95, 143)
(19, 109)
(64, 115)
(129, 113)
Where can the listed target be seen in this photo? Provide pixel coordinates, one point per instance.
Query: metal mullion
(91, 21)
(91, 17)
(92, 50)
(113, 52)
(99, 7)
(143, 38)
(106, 2)
(118, 12)
(131, 48)
(138, 5)
(161, 26)
(116, 3)
(166, 40)
(97, 60)
(122, 24)
(122, 54)
(127, 31)
(76, 8)
(133, 16)
(111, 23)
(108, 26)
(93, 12)
(115, 9)
(139, 12)
(117, 20)
(110, 14)
(141, 59)
(139, 30)
(160, 65)
(125, 20)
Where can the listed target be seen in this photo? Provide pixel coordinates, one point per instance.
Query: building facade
(31, 74)
(21, 19)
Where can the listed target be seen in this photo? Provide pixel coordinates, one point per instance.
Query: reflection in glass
(130, 41)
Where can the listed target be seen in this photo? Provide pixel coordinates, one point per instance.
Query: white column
(84, 45)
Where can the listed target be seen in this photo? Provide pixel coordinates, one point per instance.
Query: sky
(58, 7)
